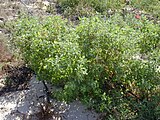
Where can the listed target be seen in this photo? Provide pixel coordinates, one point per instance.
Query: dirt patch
(17, 78)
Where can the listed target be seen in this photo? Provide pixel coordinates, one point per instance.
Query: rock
(1, 19)
(2, 22)
(1, 85)
(17, 104)
(46, 3)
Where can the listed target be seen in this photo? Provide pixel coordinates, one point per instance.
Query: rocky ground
(30, 104)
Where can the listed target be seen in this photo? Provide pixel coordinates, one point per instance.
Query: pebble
(1, 22)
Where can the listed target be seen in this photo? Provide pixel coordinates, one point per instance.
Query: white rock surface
(17, 105)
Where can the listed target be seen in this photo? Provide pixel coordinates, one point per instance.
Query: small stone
(44, 8)
(1, 85)
(46, 3)
(39, 0)
(127, 2)
(1, 19)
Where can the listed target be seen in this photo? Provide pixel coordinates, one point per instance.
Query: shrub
(48, 47)
(94, 61)
(150, 40)
(99, 6)
(87, 8)
(150, 6)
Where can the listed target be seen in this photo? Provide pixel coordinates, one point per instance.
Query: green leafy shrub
(97, 61)
(150, 6)
(113, 72)
(99, 6)
(80, 10)
(86, 8)
(109, 47)
(150, 40)
(48, 47)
